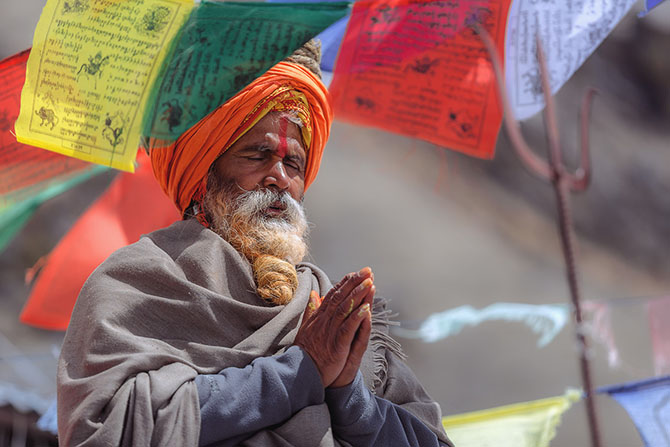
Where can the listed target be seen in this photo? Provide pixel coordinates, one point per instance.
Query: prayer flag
(648, 5)
(570, 32)
(90, 73)
(544, 319)
(419, 68)
(49, 419)
(648, 404)
(133, 205)
(331, 39)
(14, 217)
(225, 46)
(104, 74)
(598, 324)
(25, 170)
(658, 311)
(527, 424)
(11, 222)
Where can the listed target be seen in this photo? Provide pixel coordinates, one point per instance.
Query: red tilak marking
(283, 144)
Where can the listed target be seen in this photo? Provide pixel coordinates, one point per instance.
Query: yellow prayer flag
(527, 424)
(90, 74)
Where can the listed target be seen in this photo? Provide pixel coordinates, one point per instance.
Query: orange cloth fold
(181, 168)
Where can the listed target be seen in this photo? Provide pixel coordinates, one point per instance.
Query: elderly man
(212, 331)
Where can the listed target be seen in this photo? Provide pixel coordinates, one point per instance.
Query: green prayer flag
(14, 216)
(12, 220)
(221, 49)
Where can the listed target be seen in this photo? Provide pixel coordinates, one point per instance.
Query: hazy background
(440, 230)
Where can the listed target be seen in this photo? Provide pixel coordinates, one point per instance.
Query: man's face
(269, 156)
(254, 191)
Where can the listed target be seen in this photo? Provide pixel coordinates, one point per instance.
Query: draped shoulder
(179, 302)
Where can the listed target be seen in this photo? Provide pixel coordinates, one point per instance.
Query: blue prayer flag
(648, 404)
(331, 39)
(648, 5)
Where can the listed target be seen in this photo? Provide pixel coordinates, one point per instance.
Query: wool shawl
(182, 302)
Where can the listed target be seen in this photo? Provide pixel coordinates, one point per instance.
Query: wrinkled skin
(335, 333)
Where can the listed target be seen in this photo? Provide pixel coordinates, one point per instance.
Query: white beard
(241, 219)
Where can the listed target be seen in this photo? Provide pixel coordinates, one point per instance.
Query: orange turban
(181, 168)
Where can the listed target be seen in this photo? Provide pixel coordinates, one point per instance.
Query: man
(212, 331)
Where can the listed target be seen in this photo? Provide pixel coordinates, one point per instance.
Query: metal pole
(567, 242)
(563, 182)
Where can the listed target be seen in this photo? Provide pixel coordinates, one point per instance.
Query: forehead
(277, 124)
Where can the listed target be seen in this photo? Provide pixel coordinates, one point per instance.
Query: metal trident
(564, 182)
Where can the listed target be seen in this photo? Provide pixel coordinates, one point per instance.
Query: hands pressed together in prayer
(335, 332)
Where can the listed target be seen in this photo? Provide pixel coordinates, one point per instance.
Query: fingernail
(367, 283)
(365, 271)
(311, 305)
(364, 309)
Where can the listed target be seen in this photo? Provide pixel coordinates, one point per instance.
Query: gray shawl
(182, 302)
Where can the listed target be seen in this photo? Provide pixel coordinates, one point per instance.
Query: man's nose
(277, 177)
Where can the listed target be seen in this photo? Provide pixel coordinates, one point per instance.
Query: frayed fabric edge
(381, 341)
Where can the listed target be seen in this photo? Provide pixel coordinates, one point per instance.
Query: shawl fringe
(381, 341)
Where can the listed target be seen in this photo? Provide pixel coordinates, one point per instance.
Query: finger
(370, 297)
(356, 353)
(360, 343)
(348, 329)
(312, 305)
(343, 288)
(354, 299)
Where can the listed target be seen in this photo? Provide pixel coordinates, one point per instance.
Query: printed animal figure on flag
(423, 65)
(93, 68)
(48, 117)
(154, 20)
(172, 114)
(365, 103)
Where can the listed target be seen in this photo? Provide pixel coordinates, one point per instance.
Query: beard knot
(276, 279)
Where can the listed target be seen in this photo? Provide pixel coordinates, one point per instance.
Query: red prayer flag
(133, 205)
(24, 170)
(418, 68)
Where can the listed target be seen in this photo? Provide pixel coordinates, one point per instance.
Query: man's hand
(359, 345)
(330, 331)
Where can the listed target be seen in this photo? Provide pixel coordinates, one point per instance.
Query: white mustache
(256, 202)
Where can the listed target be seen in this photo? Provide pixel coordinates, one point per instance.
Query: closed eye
(292, 164)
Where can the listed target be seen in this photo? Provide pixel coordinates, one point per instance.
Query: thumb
(312, 305)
